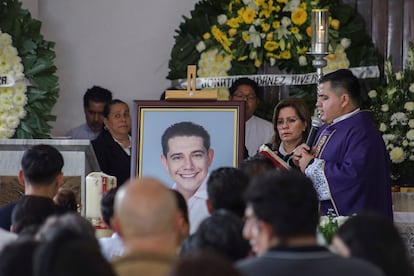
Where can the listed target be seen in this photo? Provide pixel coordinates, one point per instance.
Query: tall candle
(319, 24)
(97, 183)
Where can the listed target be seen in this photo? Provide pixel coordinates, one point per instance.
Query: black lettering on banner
(3, 80)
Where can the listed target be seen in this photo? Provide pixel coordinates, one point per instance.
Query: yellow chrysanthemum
(232, 32)
(265, 27)
(233, 23)
(242, 58)
(271, 46)
(276, 24)
(309, 31)
(282, 1)
(245, 36)
(335, 24)
(248, 16)
(299, 16)
(285, 55)
(269, 36)
(206, 36)
(294, 30)
(257, 63)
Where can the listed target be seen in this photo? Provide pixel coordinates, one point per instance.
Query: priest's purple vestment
(352, 167)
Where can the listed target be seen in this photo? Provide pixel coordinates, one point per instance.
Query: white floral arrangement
(12, 98)
(393, 107)
(328, 225)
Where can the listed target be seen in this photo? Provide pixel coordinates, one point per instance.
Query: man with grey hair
(147, 219)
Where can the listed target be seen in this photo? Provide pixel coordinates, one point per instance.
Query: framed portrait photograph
(171, 137)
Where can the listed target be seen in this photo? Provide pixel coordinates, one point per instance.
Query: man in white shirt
(257, 131)
(94, 102)
(187, 157)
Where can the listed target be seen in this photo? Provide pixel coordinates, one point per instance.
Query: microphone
(316, 123)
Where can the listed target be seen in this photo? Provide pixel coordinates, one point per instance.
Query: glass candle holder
(319, 25)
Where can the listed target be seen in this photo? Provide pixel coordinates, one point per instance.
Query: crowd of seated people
(267, 227)
(260, 221)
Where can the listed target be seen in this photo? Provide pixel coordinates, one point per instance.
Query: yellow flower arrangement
(275, 32)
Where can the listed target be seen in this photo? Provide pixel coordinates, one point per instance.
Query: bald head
(145, 207)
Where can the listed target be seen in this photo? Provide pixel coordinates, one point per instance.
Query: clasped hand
(302, 155)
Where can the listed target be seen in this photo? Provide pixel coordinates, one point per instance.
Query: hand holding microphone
(315, 125)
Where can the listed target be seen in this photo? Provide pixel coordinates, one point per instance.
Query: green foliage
(38, 60)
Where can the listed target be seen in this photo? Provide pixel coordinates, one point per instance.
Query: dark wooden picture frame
(223, 120)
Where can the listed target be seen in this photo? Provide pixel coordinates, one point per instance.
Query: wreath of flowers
(25, 108)
(236, 37)
(393, 107)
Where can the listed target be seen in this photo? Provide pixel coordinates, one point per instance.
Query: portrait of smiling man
(187, 157)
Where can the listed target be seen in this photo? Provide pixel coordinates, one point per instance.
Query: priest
(348, 164)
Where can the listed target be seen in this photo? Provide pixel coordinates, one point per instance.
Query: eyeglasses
(288, 121)
(245, 97)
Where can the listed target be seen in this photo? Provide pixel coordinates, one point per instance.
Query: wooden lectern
(79, 159)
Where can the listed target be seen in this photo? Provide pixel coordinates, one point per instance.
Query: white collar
(346, 116)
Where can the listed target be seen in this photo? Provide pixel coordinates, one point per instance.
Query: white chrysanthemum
(303, 61)
(383, 127)
(222, 19)
(397, 155)
(212, 63)
(12, 122)
(411, 123)
(405, 142)
(337, 60)
(410, 135)
(201, 46)
(409, 106)
(399, 118)
(345, 42)
(19, 111)
(323, 220)
(411, 88)
(372, 94)
(399, 75)
(5, 40)
(385, 108)
(12, 99)
(20, 99)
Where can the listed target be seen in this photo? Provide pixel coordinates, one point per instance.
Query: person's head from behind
(292, 122)
(222, 233)
(225, 189)
(117, 119)
(66, 199)
(281, 207)
(203, 263)
(68, 246)
(41, 169)
(339, 93)
(67, 226)
(184, 221)
(256, 165)
(374, 238)
(16, 258)
(146, 214)
(245, 89)
(30, 213)
(94, 101)
(187, 155)
(107, 206)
